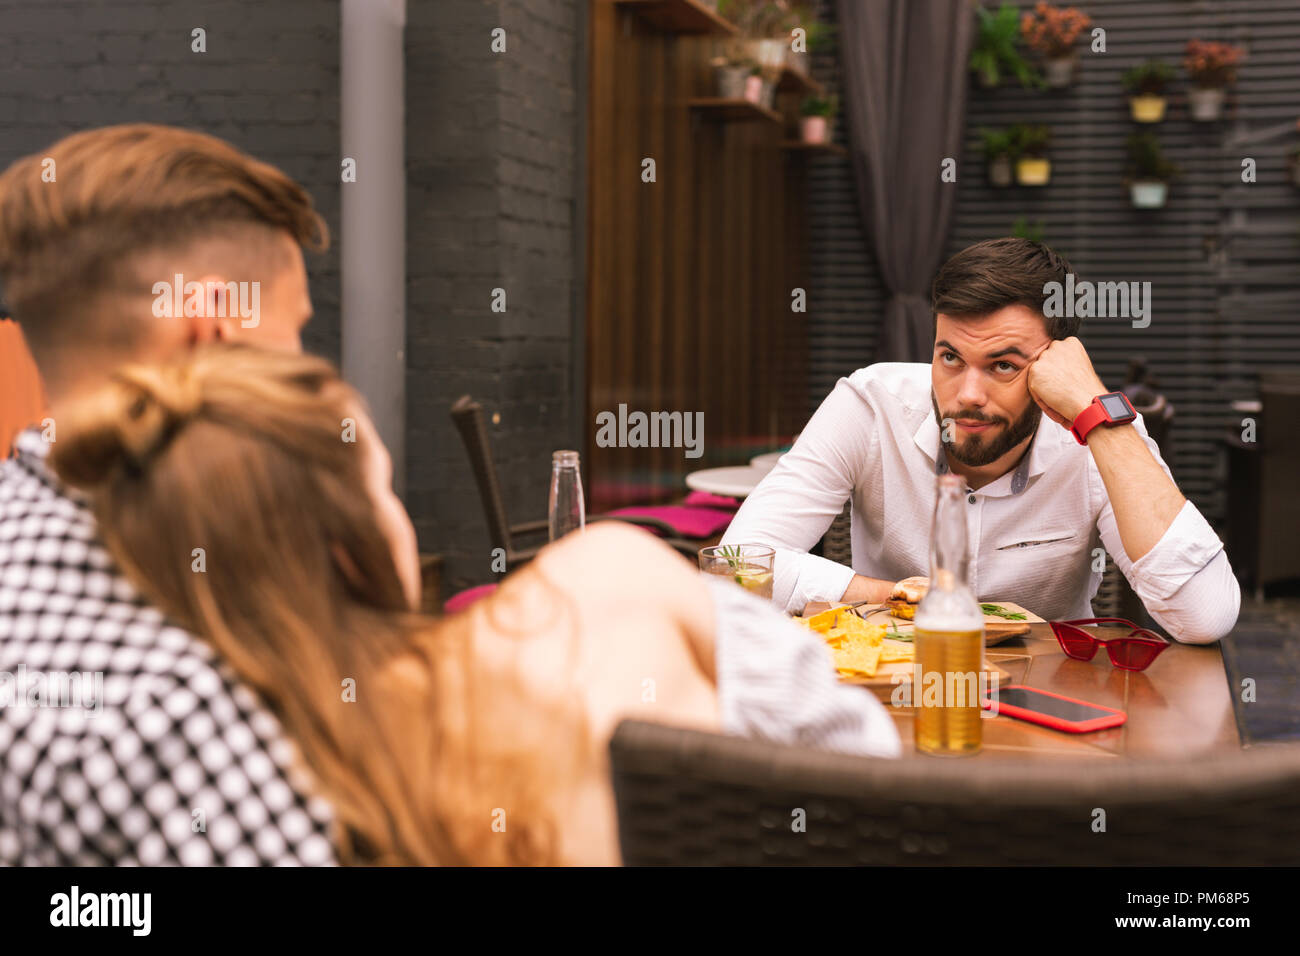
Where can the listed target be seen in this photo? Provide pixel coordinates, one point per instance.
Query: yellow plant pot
(1147, 109)
(1033, 171)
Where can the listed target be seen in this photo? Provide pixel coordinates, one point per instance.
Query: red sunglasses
(1134, 652)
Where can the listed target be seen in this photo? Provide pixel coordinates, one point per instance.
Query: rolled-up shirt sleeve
(1185, 582)
(796, 502)
(776, 682)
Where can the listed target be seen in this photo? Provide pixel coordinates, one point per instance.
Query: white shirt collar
(1043, 451)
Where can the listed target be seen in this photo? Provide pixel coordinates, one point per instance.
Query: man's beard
(975, 451)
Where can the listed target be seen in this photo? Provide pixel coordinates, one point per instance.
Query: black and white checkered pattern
(182, 764)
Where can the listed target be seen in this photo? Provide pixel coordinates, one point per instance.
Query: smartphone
(1053, 710)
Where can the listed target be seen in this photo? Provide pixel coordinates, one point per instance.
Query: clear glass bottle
(566, 509)
(949, 636)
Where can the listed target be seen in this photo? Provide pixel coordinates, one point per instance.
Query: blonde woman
(478, 739)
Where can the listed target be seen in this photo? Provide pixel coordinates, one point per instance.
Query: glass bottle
(949, 637)
(566, 509)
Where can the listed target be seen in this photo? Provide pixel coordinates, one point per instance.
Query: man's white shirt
(1036, 533)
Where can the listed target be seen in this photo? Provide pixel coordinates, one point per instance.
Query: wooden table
(1178, 707)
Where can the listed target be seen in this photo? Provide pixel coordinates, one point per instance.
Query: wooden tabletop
(1178, 707)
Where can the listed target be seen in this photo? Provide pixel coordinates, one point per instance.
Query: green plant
(1031, 140)
(819, 106)
(997, 142)
(1149, 78)
(1147, 160)
(1022, 229)
(996, 51)
(760, 18)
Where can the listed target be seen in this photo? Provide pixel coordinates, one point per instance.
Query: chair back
(468, 417)
(690, 798)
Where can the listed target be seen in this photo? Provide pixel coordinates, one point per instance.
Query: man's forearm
(1145, 500)
(862, 588)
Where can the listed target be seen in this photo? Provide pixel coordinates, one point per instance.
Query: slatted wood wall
(689, 278)
(1223, 256)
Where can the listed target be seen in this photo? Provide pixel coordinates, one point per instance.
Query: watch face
(1116, 407)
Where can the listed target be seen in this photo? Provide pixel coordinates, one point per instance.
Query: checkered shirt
(174, 761)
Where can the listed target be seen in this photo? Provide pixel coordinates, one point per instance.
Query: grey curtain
(905, 103)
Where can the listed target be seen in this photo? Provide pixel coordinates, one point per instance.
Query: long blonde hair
(241, 453)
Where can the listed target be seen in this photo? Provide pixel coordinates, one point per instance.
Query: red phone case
(1112, 717)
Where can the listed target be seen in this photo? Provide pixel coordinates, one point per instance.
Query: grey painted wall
(492, 147)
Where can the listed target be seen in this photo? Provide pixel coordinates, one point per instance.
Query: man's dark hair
(993, 274)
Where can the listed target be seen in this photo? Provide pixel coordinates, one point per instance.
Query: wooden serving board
(887, 675)
(996, 629)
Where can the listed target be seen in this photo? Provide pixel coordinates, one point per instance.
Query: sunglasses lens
(1076, 643)
(1132, 655)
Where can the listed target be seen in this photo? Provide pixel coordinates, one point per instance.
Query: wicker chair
(837, 543)
(691, 798)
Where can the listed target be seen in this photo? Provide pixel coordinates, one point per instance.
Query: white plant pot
(770, 54)
(814, 129)
(1206, 103)
(1148, 193)
(729, 81)
(1060, 70)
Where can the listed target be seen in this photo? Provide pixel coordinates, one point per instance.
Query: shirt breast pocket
(1039, 542)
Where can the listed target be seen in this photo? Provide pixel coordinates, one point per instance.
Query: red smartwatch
(1113, 408)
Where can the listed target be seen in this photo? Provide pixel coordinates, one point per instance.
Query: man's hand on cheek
(1062, 381)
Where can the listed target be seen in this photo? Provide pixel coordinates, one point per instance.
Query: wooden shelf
(736, 110)
(799, 146)
(680, 16)
(792, 81)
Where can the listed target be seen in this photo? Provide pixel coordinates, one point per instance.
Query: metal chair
(690, 798)
(468, 417)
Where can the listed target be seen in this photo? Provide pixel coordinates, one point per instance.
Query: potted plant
(729, 75)
(760, 86)
(764, 27)
(815, 118)
(1146, 87)
(1033, 168)
(1212, 68)
(995, 53)
(999, 151)
(1051, 32)
(1149, 171)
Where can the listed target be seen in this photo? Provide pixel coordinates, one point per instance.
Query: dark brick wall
(269, 83)
(491, 142)
(491, 152)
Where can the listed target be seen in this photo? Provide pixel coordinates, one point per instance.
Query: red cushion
(463, 599)
(704, 499)
(688, 522)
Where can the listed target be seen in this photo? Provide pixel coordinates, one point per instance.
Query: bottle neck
(949, 554)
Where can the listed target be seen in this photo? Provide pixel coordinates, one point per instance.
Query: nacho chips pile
(858, 648)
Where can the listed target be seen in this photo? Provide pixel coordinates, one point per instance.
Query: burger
(906, 595)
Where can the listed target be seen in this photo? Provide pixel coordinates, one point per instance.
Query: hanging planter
(1149, 172)
(999, 145)
(1146, 86)
(1033, 168)
(815, 118)
(1206, 103)
(995, 54)
(1212, 68)
(1051, 32)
